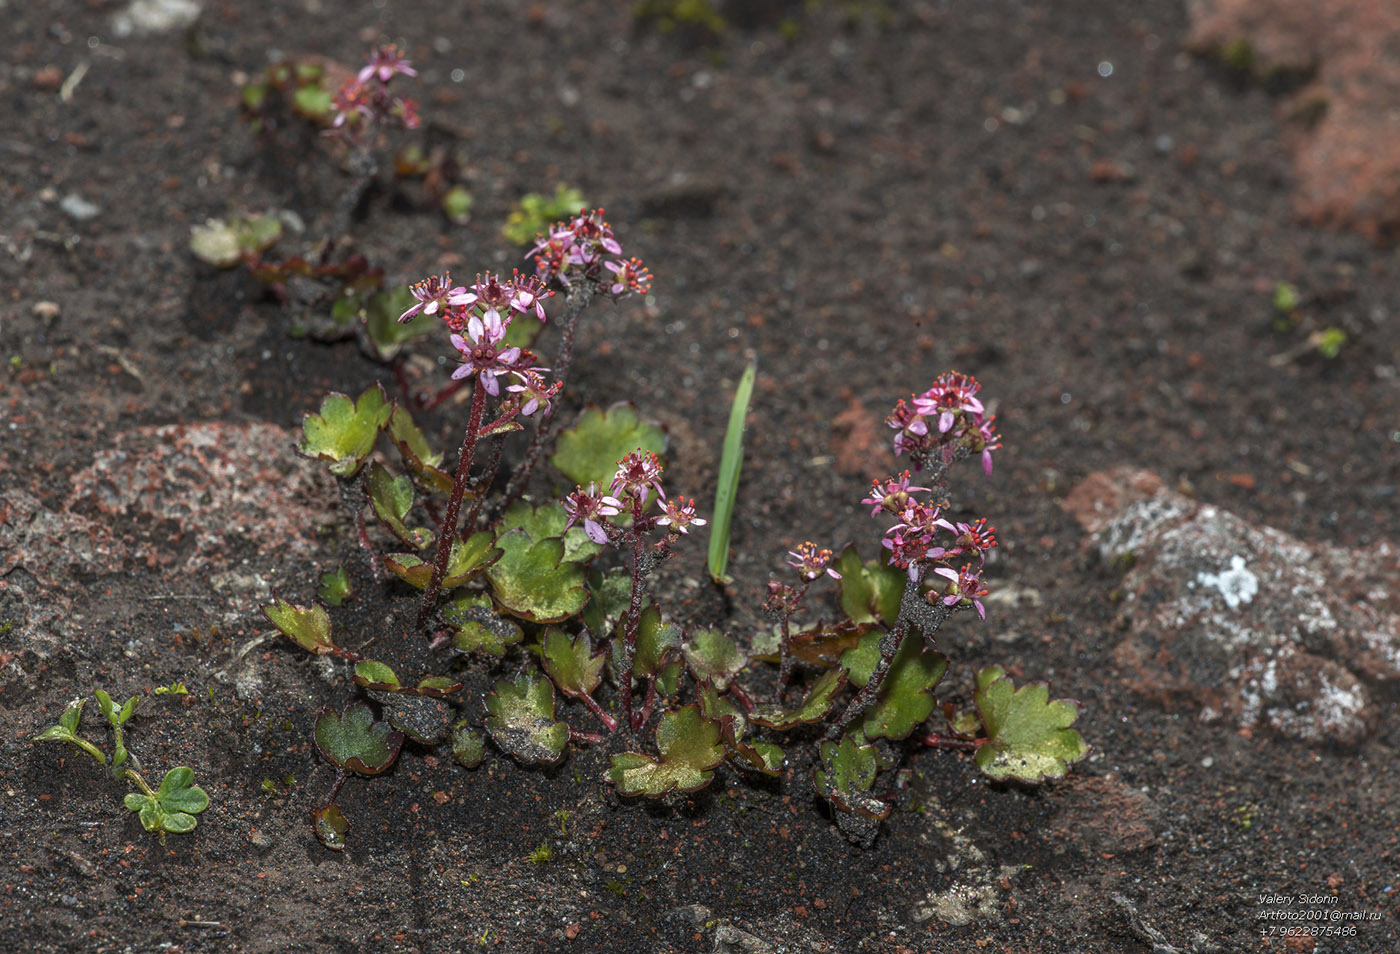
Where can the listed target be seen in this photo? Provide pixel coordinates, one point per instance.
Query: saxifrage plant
(169, 809)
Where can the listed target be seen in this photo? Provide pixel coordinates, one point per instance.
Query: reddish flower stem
(785, 660)
(634, 612)
(597, 710)
(937, 740)
(447, 533)
(580, 296)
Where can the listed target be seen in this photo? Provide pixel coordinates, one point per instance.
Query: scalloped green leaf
(330, 826)
(391, 495)
(468, 745)
(714, 656)
(905, 698)
(764, 757)
(717, 707)
(307, 626)
(523, 330)
(345, 430)
(870, 591)
(815, 705)
(417, 454)
(376, 675)
(381, 314)
(351, 739)
(571, 664)
(479, 628)
(335, 587)
(847, 775)
(589, 451)
(469, 559)
(690, 747)
(174, 805)
(533, 582)
(437, 686)
(521, 720)
(657, 642)
(609, 595)
(1028, 736)
(546, 521)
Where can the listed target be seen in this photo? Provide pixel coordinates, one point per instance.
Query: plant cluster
(169, 809)
(553, 593)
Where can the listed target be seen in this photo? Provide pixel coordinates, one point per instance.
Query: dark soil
(894, 191)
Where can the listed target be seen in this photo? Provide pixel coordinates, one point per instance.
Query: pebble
(78, 207)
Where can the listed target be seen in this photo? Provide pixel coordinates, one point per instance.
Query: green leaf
(763, 756)
(532, 581)
(479, 629)
(109, 708)
(713, 656)
(846, 777)
(589, 451)
(718, 708)
(307, 626)
(225, 243)
(386, 336)
(178, 793)
(330, 826)
(457, 205)
(468, 746)
(55, 733)
(128, 710)
(72, 715)
(656, 642)
(313, 102)
(335, 587)
(174, 805)
(1028, 736)
(815, 705)
(521, 720)
(547, 520)
(608, 598)
(871, 591)
(905, 699)
(353, 740)
(344, 431)
(727, 484)
(523, 330)
(534, 214)
(571, 664)
(468, 560)
(375, 675)
(436, 686)
(689, 746)
(417, 454)
(392, 498)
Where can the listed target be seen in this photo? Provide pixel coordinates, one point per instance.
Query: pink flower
(965, 587)
(891, 494)
(637, 474)
(481, 351)
(535, 394)
(384, 62)
(811, 562)
(680, 515)
(433, 294)
(632, 277)
(581, 248)
(951, 394)
(590, 507)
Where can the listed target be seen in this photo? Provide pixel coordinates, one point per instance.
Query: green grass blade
(727, 488)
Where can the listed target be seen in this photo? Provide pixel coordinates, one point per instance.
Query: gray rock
(1244, 622)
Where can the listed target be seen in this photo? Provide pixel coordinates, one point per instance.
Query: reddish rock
(1347, 162)
(1243, 622)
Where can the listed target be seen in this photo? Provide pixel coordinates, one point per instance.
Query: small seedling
(533, 213)
(171, 808)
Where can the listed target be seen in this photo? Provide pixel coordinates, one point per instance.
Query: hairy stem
(785, 660)
(447, 534)
(629, 639)
(580, 297)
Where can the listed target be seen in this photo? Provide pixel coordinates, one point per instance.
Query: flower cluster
(478, 319)
(638, 475)
(945, 418)
(811, 562)
(365, 99)
(583, 247)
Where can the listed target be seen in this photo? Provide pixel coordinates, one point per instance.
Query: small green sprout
(542, 855)
(1285, 298)
(562, 816)
(727, 485)
(534, 213)
(457, 205)
(167, 810)
(176, 688)
(335, 587)
(1329, 342)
